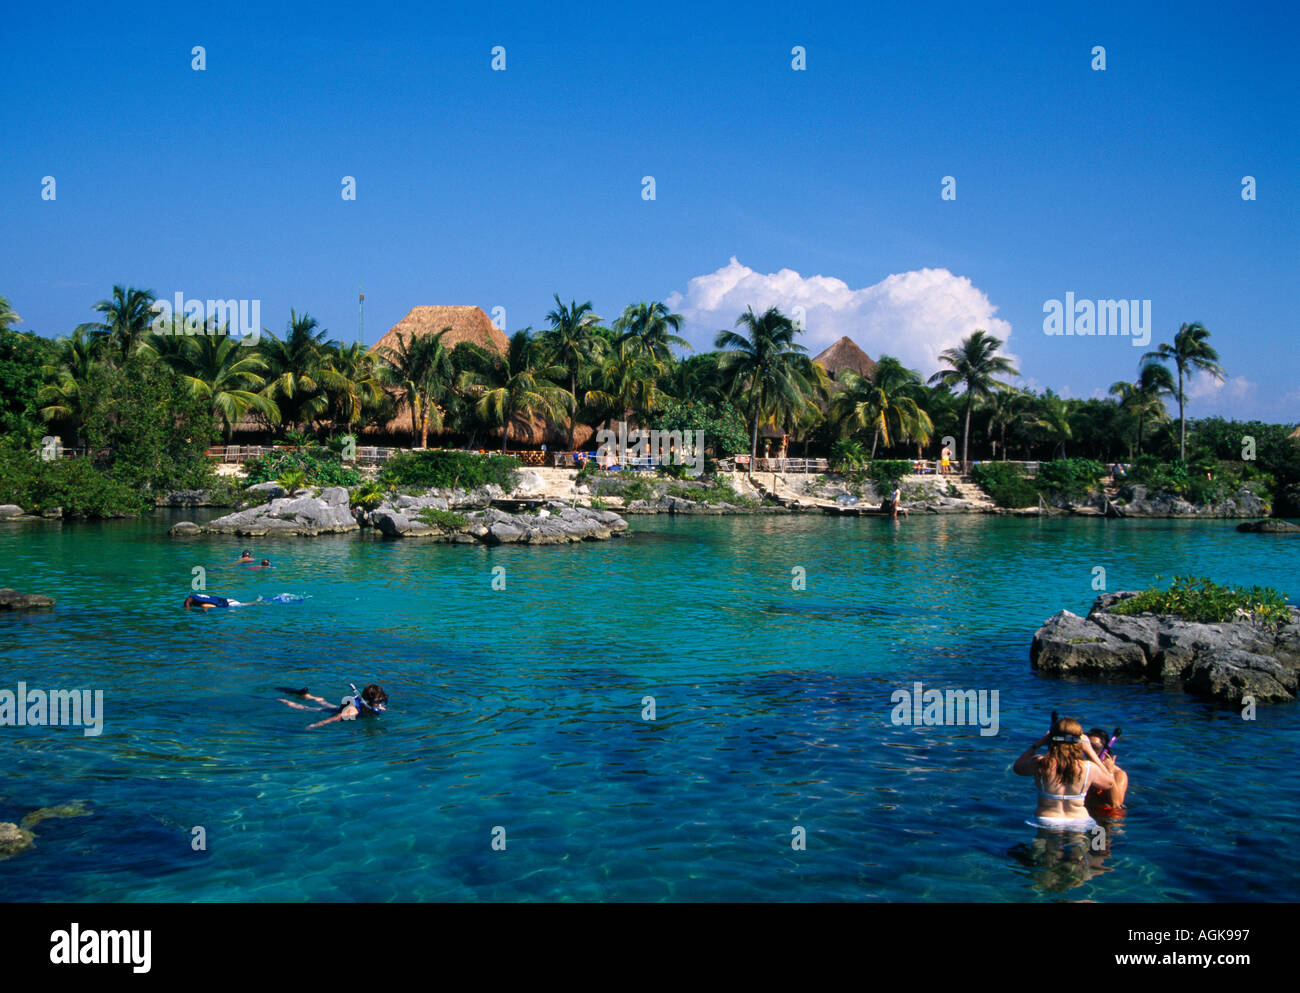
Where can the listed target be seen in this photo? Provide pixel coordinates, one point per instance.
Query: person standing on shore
(945, 457)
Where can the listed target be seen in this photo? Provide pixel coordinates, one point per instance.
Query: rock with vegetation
(18, 838)
(1221, 643)
(1137, 501)
(555, 524)
(13, 600)
(1269, 527)
(328, 513)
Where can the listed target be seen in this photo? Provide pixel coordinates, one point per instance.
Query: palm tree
(696, 378)
(1053, 417)
(7, 315)
(886, 402)
(653, 328)
(66, 393)
(1191, 353)
(222, 371)
(421, 367)
(572, 341)
(974, 364)
(627, 384)
(1144, 399)
(509, 388)
(352, 383)
(766, 365)
(128, 317)
(295, 370)
(1008, 408)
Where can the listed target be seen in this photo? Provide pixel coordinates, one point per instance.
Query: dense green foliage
(318, 467)
(1073, 479)
(1006, 484)
(885, 474)
(1200, 599)
(722, 424)
(72, 484)
(448, 470)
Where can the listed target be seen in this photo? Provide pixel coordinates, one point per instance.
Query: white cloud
(1234, 388)
(912, 315)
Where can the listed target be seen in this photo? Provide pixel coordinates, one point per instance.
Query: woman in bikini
(1063, 776)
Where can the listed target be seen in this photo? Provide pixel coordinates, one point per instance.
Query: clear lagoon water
(522, 708)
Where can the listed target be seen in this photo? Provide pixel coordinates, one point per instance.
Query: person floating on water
(266, 564)
(245, 556)
(1100, 799)
(370, 702)
(209, 601)
(1063, 776)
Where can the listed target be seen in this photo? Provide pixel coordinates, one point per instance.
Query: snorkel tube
(360, 702)
(1110, 744)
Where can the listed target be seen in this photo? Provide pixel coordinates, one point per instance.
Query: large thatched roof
(845, 354)
(465, 324)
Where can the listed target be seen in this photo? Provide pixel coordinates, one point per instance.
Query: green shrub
(1070, 478)
(847, 453)
(448, 470)
(1005, 484)
(1199, 599)
(441, 518)
(319, 468)
(887, 473)
(367, 496)
(73, 484)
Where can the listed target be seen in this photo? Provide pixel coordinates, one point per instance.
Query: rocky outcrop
(1227, 661)
(182, 528)
(13, 600)
(1269, 527)
(1136, 501)
(555, 524)
(328, 513)
(8, 511)
(17, 838)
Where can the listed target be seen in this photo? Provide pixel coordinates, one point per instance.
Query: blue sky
(500, 188)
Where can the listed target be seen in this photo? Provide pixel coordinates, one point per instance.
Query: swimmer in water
(208, 602)
(370, 702)
(266, 564)
(1063, 776)
(1098, 797)
(245, 556)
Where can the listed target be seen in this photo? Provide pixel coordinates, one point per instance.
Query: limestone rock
(13, 600)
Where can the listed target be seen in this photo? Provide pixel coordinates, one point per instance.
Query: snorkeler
(1063, 776)
(369, 702)
(245, 556)
(209, 601)
(1105, 800)
(266, 564)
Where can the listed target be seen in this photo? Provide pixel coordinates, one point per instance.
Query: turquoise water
(522, 708)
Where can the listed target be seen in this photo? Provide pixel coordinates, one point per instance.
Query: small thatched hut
(845, 354)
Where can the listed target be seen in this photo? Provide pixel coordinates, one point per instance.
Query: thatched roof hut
(462, 324)
(845, 354)
(465, 324)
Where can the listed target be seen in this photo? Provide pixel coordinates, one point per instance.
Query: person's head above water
(266, 561)
(1064, 759)
(246, 554)
(374, 697)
